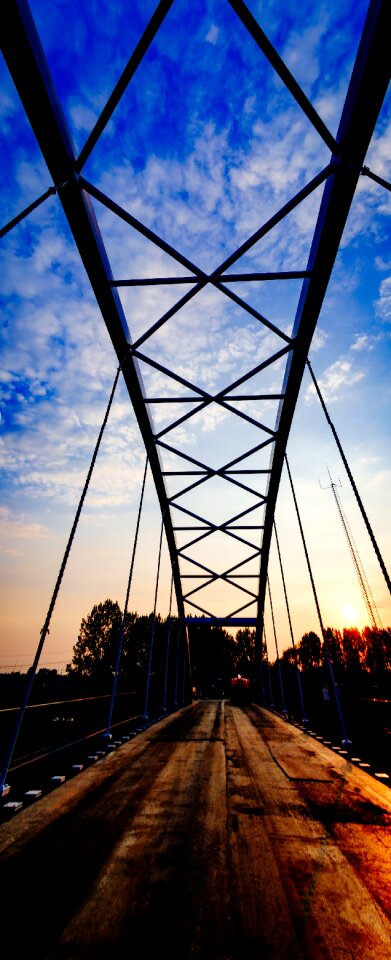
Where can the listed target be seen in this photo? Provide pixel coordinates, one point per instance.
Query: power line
(357, 562)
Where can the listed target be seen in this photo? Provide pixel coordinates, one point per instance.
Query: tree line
(351, 651)
(216, 656)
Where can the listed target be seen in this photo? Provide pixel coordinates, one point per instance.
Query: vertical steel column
(168, 650)
(284, 710)
(299, 684)
(145, 715)
(263, 698)
(177, 666)
(184, 670)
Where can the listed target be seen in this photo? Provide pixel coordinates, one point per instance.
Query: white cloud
(8, 108)
(329, 104)
(83, 117)
(336, 378)
(380, 481)
(301, 53)
(8, 104)
(319, 340)
(371, 201)
(33, 180)
(212, 34)
(383, 303)
(382, 264)
(58, 371)
(207, 204)
(365, 341)
(58, 359)
(16, 528)
(213, 416)
(250, 105)
(378, 158)
(210, 201)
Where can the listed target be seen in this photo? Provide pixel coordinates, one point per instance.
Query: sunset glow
(352, 617)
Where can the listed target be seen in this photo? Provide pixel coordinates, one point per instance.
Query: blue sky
(204, 147)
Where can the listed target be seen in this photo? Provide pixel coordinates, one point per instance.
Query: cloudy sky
(204, 147)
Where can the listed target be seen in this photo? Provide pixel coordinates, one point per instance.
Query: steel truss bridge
(264, 396)
(215, 830)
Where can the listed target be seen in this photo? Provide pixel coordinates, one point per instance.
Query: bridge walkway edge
(221, 833)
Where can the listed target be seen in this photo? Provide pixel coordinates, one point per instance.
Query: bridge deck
(218, 833)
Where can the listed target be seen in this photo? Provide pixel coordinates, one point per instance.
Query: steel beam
(366, 92)
(26, 61)
(27, 64)
(221, 621)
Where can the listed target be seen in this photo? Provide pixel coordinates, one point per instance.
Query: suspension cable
(345, 739)
(124, 615)
(45, 629)
(299, 684)
(284, 710)
(350, 475)
(177, 666)
(263, 697)
(184, 670)
(153, 625)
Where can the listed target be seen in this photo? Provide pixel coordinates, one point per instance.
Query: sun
(350, 614)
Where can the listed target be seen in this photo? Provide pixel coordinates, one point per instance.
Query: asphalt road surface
(220, 833)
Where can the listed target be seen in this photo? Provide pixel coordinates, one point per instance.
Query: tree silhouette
(243, 652)
(378, 652)
(309, 651)
(353, 649)
(94, 652)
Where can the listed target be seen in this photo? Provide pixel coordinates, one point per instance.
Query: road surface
(220, 833)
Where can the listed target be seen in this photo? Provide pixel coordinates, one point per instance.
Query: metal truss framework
(26, 62)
